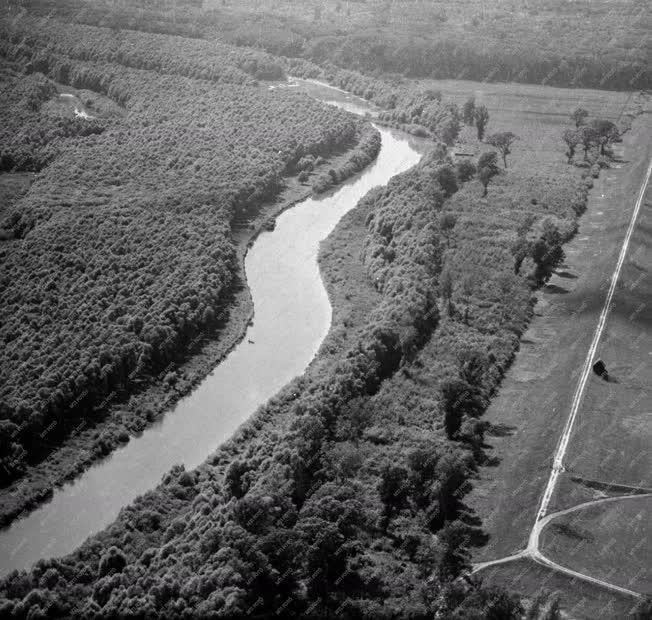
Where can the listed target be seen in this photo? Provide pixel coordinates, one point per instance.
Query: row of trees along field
(352, 505)
(121, 251)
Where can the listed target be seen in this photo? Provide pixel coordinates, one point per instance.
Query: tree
(12, 453)
(459, 397)
(547, 252)
(236, 482)
(325, 560)
(465, 170)
(446, 289)
(589, 138)
(113, 561)
(447, 223)
(485, 175)
(449, 130)
(579, 116)
(606, 132)
(423, 472)
(468, 111)
(346, 460)
(452, 555)
(353, 419)
(521, 249)
(503, 141)
(481, 116)
(447, 180)
(572, 138)
(488, 160)
(393, 488)
(487, 169)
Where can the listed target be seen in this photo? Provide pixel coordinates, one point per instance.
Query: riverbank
(128, 417)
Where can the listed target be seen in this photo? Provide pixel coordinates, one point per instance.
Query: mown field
(609, 541)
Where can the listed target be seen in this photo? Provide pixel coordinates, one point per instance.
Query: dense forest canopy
(592, 44)
(122, 248)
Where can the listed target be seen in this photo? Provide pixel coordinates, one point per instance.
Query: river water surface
(292, 317)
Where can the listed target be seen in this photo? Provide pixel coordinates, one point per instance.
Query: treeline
(39, 38)
(121, 251)
(560, 44)
(451, 57)
(184, 18)
(409, 107)
(582, 46)
(359, 158)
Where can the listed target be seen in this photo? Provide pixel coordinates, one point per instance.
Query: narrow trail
(542, 519)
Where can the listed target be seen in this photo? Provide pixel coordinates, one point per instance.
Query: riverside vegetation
(121, 251)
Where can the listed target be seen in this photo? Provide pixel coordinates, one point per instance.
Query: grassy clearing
(613, 434)
(580, 600)
(612, 541)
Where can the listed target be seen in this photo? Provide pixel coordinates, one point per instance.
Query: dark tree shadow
(554, 288)
(477, 536)
(500, 430)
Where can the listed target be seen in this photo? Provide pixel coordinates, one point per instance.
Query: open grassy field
(614, 429)
(611, 541)
(579, 599)
(612, 432)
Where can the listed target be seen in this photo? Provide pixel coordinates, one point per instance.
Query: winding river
(292, 317)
